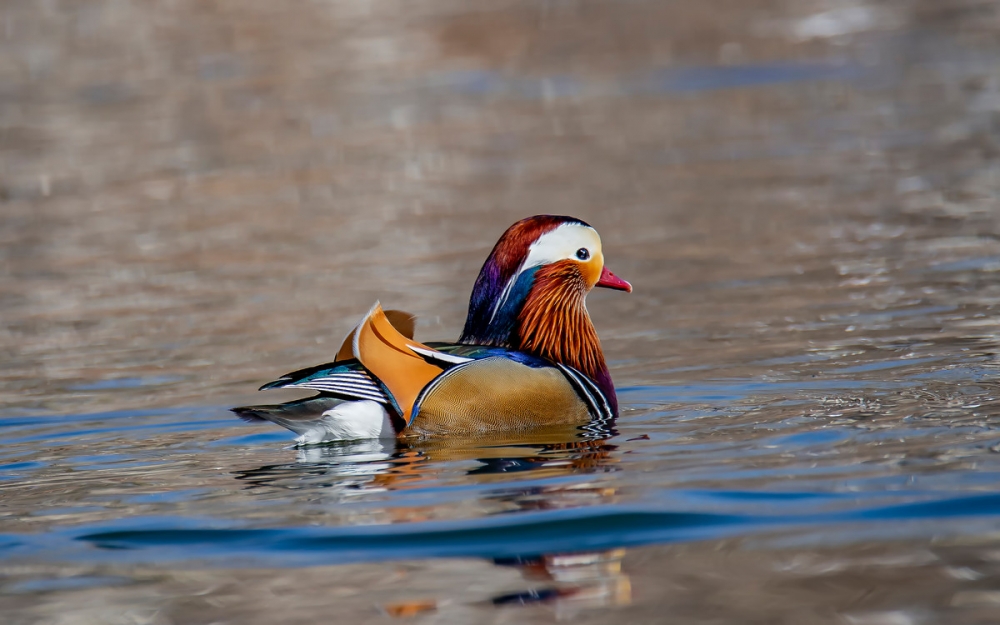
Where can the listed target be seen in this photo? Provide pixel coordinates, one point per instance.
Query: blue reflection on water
(673, 80)
(713, 77)
(504, 536)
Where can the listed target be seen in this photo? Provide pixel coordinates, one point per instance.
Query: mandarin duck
(528, 356)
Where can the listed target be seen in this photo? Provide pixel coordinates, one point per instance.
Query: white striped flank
(588, 391)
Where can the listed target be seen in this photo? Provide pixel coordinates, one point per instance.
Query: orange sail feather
(387, 355)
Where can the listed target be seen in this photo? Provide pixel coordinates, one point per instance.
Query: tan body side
(497, 394)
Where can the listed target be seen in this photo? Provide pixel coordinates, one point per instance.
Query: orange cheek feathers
(591, 270)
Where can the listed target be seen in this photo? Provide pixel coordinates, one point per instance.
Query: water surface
(197, 198)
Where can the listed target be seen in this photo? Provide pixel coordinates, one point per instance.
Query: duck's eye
(583, 253)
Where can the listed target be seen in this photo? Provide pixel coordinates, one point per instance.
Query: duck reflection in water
(380, 464)
(566, 582)
(571, 581)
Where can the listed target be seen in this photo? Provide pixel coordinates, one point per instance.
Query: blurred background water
(199, 196)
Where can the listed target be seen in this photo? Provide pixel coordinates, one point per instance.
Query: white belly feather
(350, 421)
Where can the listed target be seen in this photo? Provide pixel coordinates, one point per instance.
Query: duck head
(530, 295)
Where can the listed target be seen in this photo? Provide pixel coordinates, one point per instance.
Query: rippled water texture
(199, 196)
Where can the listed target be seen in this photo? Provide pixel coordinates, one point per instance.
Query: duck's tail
(324, 419)
(298, 416)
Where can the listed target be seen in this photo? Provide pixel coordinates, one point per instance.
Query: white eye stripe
(560, 243)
